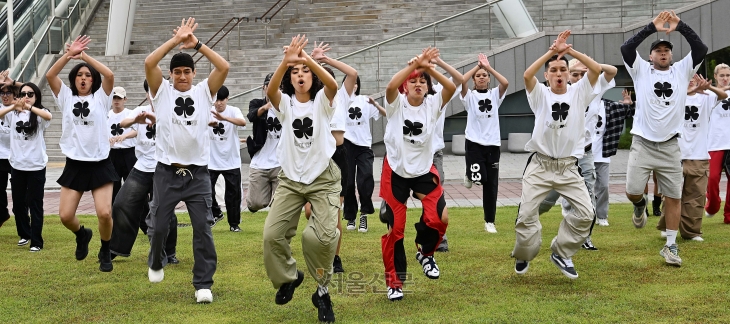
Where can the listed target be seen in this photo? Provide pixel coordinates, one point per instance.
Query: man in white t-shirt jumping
(660, 96)
(183, 153)
(557, 143)
(225, 157)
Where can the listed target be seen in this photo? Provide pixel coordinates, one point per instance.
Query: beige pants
(319, 238)
(542, 175)
(694, 191)
(261, 185)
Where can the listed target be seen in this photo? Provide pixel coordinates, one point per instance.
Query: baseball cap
(119, 92)
(660, 42)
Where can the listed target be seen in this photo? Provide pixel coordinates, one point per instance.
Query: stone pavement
(510, 185)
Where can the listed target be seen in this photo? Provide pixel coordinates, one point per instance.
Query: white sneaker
(467, 182)
(489, 227)
(708, 215)
(204, 296)
(156, 275)
(698, 239)
(663, 234)
(602, 222)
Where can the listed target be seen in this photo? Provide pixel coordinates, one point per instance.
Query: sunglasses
(29, 94)
(9, 93)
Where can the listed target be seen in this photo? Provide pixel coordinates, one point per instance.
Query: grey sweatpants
(191, 185)
(543, 174)
(601, 189)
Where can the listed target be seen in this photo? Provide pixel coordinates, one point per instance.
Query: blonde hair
(721, 66)
(572, 63)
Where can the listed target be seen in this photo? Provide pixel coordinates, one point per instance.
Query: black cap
(267, 79)
(660, 42)
(222, 93)
(182, 60)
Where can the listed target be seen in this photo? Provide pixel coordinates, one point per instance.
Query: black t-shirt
(255, 143)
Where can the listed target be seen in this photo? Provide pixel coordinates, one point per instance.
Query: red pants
(717, 159)
(430, 230)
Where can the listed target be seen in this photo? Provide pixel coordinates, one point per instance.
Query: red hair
(416, 74)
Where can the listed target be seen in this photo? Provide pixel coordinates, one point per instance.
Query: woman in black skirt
(85, 142)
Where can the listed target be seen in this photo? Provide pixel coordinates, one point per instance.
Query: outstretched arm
(152, 70)
(146, 118)
(380, 108)
(594, 69)
(698, 48)
(233, 120)
(292, 55)
(609, 71)
(503, 82)
(529, 75)
(422, 61)
(318, 54)
(467, 76)
(72, 51)
(456, 78)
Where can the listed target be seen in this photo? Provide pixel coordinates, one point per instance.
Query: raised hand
(626, 94)
(661, 20)
(318, 53)
(5, 78)
(371, 101)
(184, 33)
(427, 56)
(560, 44)
(483, 61)
(293, 53)
(79, 45)
(145, 118)
(217, 115)
(673, 21)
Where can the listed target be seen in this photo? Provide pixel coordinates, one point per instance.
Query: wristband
(198, 46)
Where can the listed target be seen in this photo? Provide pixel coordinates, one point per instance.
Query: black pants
(232, 196)
(482, 168)
(123, 161)
(27, 190)
(131, 209)
(360, 173)
(190, 184)
(4, 172)
(340, 158)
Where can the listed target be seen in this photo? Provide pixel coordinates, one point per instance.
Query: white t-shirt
(409, 135)
(182, 123)
(559, 119)
(342, 103)
(719, 137)
(696, 126)
(225, 146)
(358, 121)
(145, 148)
(482, 119)
(265, 158)
(598, 129)
(116, 129)
(438, 134)
(84, 123)
(596, 105)
(306, 144)
(4, 137)
(660, 97)
(28, 153)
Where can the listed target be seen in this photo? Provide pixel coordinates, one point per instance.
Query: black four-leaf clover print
(412, 128)
(663, 89)
(117, 129)
(691, 114)
(560, 111)
(355, 113)
(485, 105)
(303, 127)
(219, 130)
(184, 107)
(151, 131)
(273, 124)
(81, 109)
(22, 127)
(599, 124)
(726, 104)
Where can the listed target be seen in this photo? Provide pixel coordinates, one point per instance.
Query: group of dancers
(187, 137)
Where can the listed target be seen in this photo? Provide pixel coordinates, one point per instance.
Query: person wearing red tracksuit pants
(718, 146)
(408, 166)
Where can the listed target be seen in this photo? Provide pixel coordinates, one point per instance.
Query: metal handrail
(377, 45)
(45, 34)
(263, 17)
(238, 21)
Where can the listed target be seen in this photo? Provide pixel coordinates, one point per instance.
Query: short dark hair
(10, 88)
(95, 78)
(146, 86)
(182, 60)
(555, 58)
(222, 93)
(357, 91)
(288, 88)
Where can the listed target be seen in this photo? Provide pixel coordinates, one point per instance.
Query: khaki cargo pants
(694, 189)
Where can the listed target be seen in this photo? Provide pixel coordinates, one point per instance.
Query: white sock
(321, 291)
(671, 237)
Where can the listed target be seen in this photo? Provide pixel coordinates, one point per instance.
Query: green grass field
(625, 281)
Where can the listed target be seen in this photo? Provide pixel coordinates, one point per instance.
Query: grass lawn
(625, 281)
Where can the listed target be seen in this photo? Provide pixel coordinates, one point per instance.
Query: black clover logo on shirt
(273, 124)
(726, 104)
(184, 107)
(81, 109)
(117, 129)
(412, 129)
(691, 113)
(560, 112)
(22, 128)
(663, 89)
(151, 131)
(355, 113)
(599, 124)
(219, 130)
(303, 127)
(485, 105)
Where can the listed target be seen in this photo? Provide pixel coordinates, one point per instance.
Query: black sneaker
(363, 224)
(337, 265)
(217, 218)
(657, 207)
(323, 304)
(351, 225)
(172, 260)
(286, 291)
(588, 245)
(565, 266)
(82, 243)
(430, 269)
(521, 266)
(105, 261)
(235, 229)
